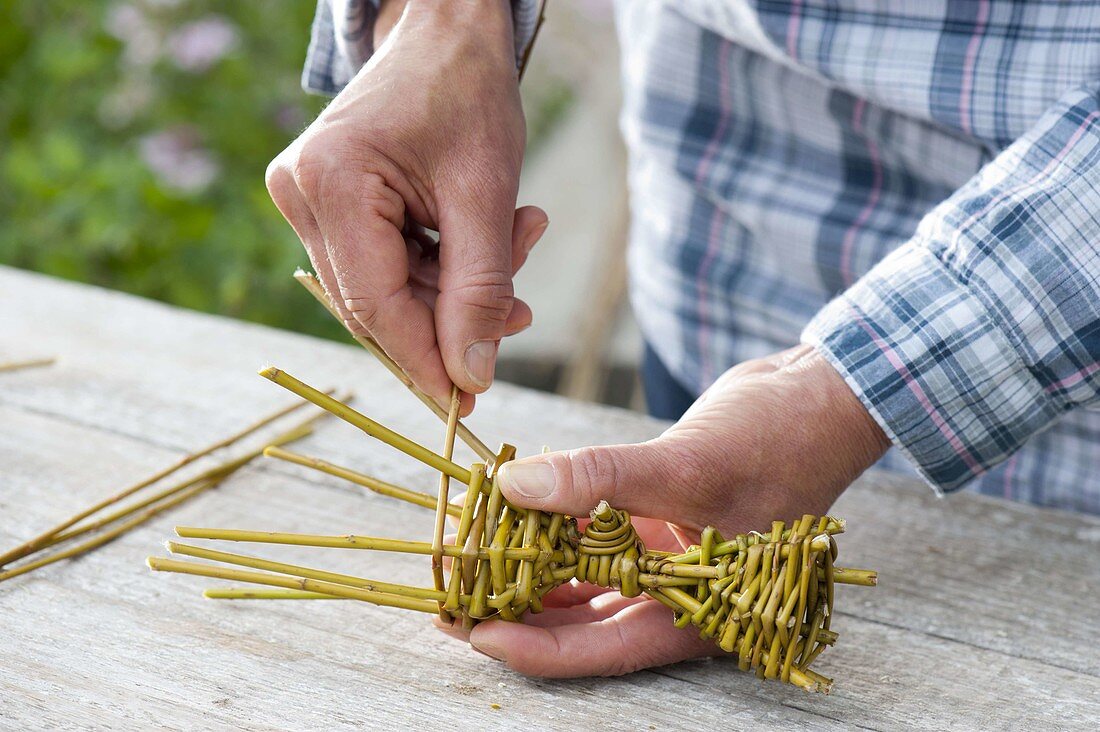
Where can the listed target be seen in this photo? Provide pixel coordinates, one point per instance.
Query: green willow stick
(315, 288)
(169, 500)
(218, 471)
(366, 424)
(442, 505)
(835, 526)
(160, 564)
(109, 536)
(233, 593)
(350, 541)
(43, 539)
(378, 486)
(389, 588)
(33, 363)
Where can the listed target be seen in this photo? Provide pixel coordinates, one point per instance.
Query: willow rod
(43, 539)
(218, 471)
(234, 593)
(350, 541)
(315, 288)
(389, 588)
(378, 486)
(366, 424)
(108, 536)
(33, 363)
(160, 564)
(442, 505)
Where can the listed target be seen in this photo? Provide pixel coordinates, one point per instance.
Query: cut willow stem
(33, 363)
(43, 539)
(233, 593)
(350, 541)
(374, 484)
(160, 564)
(168, 499)
(243, 560)
(848, 576)
(109, 536)
(366, 424)
(442, 504)
(315, 288)
(223, 470)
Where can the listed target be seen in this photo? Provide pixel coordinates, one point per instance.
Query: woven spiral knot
(609, 551)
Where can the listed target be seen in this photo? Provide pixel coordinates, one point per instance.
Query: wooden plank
(941, 642)
(186, 661)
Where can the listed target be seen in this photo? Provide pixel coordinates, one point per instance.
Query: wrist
(484, 24)
(471, 14)
(840, 413)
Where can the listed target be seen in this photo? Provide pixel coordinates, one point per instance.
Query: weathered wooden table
(985, 615)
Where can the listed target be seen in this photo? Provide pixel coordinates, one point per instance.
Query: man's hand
(429, 135)
(772, 439)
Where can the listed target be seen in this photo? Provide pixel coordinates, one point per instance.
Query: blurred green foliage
(134, 135)
(132, 160)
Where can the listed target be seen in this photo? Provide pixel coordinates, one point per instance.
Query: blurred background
(136, 134)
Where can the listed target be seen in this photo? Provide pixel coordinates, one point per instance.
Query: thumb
(637, 478)
(475, 289)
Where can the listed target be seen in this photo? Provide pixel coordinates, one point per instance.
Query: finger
(292, 204)
(475, 283)
(527, 228)
(636, 478)
(518, 321)
(639, 636)
(362, 228)
(600, 607)
(572, 593)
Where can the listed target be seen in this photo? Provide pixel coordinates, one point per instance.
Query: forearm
(981, 331)
(484, 18)
(346, 33)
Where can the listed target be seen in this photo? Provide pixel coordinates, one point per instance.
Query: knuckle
(364, 311)
(686, 471)
(488, 292)
(310, 170)
(371, 310)
(597, 471)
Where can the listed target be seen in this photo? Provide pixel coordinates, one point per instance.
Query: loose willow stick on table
(218, 471)
(160, 564)
(29, 364)
(43, 539)
(233, 593)
(374, 484)
(310, 282)
(108, 536)
(366, 424)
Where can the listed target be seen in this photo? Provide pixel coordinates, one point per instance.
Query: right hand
(428, 135)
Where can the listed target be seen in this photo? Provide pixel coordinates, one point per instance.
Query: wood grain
(980, 618)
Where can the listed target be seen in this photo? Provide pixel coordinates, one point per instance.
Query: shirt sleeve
(985, 327)
(342, 39)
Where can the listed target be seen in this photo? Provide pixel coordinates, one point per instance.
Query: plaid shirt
(913, 187)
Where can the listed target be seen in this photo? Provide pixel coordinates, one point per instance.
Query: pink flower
(179, 160)
(198, 45)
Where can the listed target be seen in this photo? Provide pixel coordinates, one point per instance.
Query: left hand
(773, 438)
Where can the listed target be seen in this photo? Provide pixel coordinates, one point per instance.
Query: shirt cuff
(342, 40)
(932, 367)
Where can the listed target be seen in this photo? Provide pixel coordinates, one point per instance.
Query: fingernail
(533, 237)
(489, 649)
(531, 480)
(480, 360)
